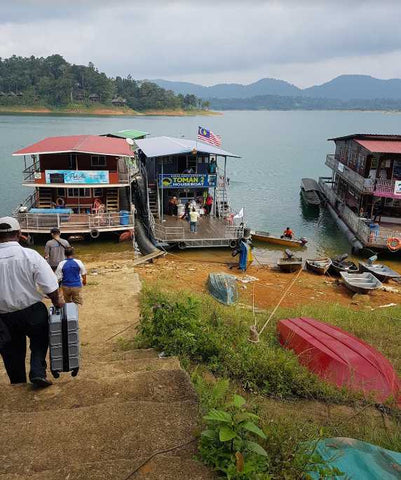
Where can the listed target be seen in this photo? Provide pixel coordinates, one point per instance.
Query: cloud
(227, 40)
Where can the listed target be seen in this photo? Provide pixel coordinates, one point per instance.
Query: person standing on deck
(55, 249)
(72, 275)
(193, 220)
(208, 204)
(22, 312)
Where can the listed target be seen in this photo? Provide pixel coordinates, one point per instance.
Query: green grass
(294, 405)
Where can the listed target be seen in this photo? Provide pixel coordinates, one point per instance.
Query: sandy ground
(269, 286)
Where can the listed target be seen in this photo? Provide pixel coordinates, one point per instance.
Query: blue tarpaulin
(359, 460)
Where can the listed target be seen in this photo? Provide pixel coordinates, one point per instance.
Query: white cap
(9, 224)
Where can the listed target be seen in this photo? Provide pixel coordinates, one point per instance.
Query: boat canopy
(133, 134)
(92, 144)
(164, 146)
(309, 184)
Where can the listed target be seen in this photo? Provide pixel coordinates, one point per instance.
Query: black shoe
(41, 382)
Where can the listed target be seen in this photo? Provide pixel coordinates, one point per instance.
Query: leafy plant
(230, 444)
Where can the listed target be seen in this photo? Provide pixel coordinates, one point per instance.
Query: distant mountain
(344, 87)
(348, 87)
(265, 86)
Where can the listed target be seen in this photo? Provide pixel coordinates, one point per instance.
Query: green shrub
(230, 444)
(194, 328)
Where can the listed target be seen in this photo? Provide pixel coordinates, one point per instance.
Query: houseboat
(82, 185)
(363, 192)
(90, 184)
(178, 171)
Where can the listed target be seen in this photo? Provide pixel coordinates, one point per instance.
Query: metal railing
(357, 180)
(163, 232)
(101, 221)
(27, 204)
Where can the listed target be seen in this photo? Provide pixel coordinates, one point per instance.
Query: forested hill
(53, 82)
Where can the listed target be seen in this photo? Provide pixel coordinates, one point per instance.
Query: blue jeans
(32, 322)
(193, 226)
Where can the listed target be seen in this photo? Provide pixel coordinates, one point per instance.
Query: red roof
(79, 143)
(381, 146)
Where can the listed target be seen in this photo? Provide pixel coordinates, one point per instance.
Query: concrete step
(161, 467)
(72, 393)
(56, 439)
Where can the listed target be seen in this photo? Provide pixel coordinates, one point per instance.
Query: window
(98, 192)
(60, 192)
(79, 192)
(98, 161)
(72, 161)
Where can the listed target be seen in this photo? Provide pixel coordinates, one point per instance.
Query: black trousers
(32, 322)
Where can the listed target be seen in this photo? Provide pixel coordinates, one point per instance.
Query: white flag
(240, 214)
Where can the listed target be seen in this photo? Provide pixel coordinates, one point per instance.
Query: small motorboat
(287, 242)
(361, 282)
(289, 263)
(380, 271)
(340, 264)
(340, 358)
(318, 265)
(223, 287)
(310, 192)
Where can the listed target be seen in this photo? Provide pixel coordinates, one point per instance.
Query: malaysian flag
(205, 135)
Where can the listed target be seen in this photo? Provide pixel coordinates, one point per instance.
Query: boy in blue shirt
(71, 273)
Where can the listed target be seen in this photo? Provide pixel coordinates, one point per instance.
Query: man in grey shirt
(55, 248)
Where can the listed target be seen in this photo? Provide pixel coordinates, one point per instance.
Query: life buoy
(60, 202)
(233, 243)
(393, 244)
(94, 233)
(182, 245)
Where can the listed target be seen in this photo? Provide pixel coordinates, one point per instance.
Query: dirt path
(123, 407)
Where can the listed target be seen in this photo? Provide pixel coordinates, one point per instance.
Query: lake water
(277, 149)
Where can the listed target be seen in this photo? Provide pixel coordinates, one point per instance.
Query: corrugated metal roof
(134, 134)
(79, 143)
(367, 136)
(381, 146)
(163, 146)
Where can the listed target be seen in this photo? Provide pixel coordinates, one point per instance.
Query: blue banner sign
(77, 176)
(187, 180)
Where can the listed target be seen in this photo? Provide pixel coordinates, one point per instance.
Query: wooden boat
(360, 282)
(310, 192)
(289, 263)
(287, 242)
(223, 287)
(340, 264)
(318, 265)
(380, 271)
(340, 358)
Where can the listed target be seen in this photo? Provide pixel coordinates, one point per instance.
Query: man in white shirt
(22, 312)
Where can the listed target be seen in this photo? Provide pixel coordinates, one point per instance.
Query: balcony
(74, 223)
(364, 185)
(35, 177)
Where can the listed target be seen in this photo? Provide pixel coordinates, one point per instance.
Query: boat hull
(340, 358)
(286, 242)
(310, 198)
(348, 267)
(318, 265)
(362, 283)
(381, 272)
(289, 265)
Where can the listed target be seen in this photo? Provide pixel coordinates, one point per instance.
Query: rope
(281, 299)
(159, 452)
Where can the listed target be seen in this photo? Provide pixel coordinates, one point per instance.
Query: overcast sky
(305, 42)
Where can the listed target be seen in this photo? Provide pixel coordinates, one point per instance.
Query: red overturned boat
(340, 358)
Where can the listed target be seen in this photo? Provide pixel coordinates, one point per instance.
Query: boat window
(60, 192)
(79, 192)
(72, 161)
(98, 161)
(98, 192)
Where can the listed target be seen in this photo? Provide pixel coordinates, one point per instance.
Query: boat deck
(211, 232)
